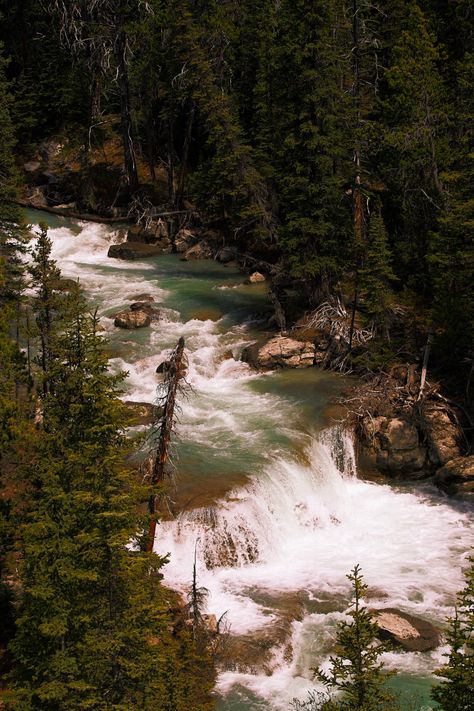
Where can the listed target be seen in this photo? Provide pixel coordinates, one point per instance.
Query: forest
(326, 143)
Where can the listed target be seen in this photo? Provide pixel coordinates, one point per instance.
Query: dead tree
(174, 374)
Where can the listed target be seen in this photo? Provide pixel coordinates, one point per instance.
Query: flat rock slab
(404, 630)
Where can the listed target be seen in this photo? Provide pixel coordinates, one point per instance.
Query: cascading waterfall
(285, 517)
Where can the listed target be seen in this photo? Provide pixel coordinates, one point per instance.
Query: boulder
(143, 413)
(286, 352)
(412, 633)
(394, 445)
(184, 240)
(64, 284)
(249, 354)
(132, 319)
(144, 297)
(256, 278)
(134, 250)
(155, 233)
(147, 307)
(457, 476)
(201, 250)
(226, 255)
(442, 436)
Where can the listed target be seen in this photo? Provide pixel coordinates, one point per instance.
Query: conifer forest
(236, 355)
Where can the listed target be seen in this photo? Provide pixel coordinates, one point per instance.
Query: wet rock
(394, 445)
(226, 255)
(457, 476)
(144, 297)
(143, 413)
(132, 319)
(412, 633)
(201, 250)
(134, 250)
(184, 240)
(442, 436)
(155, 233)
(147, 307)
(249, 354)
(64, 284)
(163, 367)
(256, 278)
(286, 352)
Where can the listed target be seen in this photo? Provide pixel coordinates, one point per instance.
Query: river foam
(302, 519)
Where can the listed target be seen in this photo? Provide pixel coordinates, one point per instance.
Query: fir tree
(376, 273)
(356, 669)
(456, 691)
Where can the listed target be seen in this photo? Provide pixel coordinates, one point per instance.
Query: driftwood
(73, 215)
(174, 373)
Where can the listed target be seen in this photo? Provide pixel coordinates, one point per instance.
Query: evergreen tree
(356, 669)
(456, 691)
(376, 273)
(92, 626)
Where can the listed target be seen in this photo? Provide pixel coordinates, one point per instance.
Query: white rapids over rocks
(302, 520)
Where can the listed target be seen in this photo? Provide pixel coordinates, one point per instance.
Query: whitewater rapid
(299, 519)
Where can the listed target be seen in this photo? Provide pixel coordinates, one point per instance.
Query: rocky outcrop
(412, 633)
(134, 250)
(286, 352)
(442, 436)
(201, 250)
(143, 413)
(457, 476)
(393, 445)
(132, 319)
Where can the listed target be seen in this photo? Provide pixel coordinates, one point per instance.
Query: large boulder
(201, 250)
(457, 476)
(156, 233)
(134, 250)
(286, 352)
(394, 446)
(412, 633)
(442, 436)
(132, 319)
(147, 307)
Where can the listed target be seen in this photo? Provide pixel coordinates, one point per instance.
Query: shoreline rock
(457, 476)
(135, 250)
(286, 352)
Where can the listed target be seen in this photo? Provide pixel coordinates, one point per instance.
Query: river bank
(268, 490)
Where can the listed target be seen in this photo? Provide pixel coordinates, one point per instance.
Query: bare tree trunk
(185, 154)
(175, 373)
(424, 369)
(120, 50)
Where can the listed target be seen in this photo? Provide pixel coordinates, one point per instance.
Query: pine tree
(456, 691)
(376, 273)
(356, 670)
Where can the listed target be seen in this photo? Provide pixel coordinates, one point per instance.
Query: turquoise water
(266, 486)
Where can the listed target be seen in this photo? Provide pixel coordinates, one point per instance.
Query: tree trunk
(175, 373)
(185, 154)
(120, 50)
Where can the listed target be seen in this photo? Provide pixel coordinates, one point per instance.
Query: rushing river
(267, 488)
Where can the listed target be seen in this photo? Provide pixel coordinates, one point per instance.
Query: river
(267, 487)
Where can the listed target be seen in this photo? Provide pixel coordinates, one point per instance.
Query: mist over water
(274, 506)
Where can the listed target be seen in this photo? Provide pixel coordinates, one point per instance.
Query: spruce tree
(456, 691)
(356, 670)
(376, 273)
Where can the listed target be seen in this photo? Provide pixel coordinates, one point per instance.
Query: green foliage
(356, 670)
(456, 691)
(376, 274)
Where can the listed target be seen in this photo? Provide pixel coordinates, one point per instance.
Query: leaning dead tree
(174, 374)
